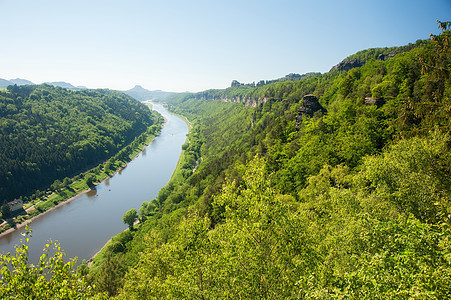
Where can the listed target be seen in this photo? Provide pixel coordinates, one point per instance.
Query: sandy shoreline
(91, 259)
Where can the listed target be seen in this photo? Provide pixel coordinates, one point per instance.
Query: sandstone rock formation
(347, 65)
(310, 105)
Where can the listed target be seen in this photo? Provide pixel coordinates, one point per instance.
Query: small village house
(16, 204)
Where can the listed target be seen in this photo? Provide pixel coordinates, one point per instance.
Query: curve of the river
(85, 224)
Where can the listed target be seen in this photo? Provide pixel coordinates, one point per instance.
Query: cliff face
(246, 101)
(310, 105)
(347, 65)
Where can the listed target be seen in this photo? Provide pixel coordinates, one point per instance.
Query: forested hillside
(335, 186)
(48, 133)
(350, 200)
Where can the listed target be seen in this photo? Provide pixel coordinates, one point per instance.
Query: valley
(83, 225)
(315, 186)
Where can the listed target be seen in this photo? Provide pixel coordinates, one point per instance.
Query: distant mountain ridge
(137, 92)
(66, 85)
(381, 54)
(18, 81)
(142, 94)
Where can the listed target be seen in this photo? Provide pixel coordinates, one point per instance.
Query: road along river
(84, 225)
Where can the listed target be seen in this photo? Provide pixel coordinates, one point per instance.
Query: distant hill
(66, 85)
(62, 84)
(142, 94)
(4, 83)
(381, 54)
(18, 81)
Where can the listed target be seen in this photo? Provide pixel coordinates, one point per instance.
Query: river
(85, 224)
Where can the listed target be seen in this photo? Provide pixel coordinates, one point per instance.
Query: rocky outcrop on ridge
(347, 65)
(310, 105)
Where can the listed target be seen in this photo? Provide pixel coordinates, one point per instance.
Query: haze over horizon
(198, 45)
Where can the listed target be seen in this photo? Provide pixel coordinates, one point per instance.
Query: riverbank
(96, 260)
(28, 221)
(79, 185)
(84, 226)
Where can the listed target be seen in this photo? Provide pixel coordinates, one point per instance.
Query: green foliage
(90, 179)
(51, 278)
(130, 217)
(381, 53)
(48, 133)
(345, 239)
(147, 209)
(350, 203)
(110, 276)
(413, 175)
(6, 211)
(431, 104)
(83, 268)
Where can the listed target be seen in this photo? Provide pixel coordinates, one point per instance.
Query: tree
(5, 210)
(56, 185)
(130, 217)
(109, 278)
(147, 209)
(67, 181)
(51, 278)
(90, 180)
(107, 167)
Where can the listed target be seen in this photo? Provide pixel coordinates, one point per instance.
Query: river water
(85, 224)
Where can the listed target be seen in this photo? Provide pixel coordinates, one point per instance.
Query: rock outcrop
(254, 102)
(347, 65)
(374, 101)
(384, 57)
(310, 105)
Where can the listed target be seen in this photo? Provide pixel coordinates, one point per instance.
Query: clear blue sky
(197, 45)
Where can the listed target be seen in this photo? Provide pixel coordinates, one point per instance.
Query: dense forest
(49, 133)
(329, 187)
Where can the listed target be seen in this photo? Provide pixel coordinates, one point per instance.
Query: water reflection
(91, 193)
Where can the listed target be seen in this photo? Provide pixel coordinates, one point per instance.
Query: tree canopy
(49, 133)
(130, 217)
(350, 202)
